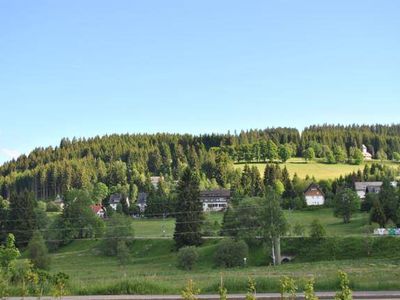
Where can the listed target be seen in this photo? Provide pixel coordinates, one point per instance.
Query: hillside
(152, 269)
(129, 160)
(318, 169)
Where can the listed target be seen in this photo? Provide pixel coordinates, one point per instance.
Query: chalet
(116, 199)
(366, 154)
(215, 200)
(363, 188)
(155, 180)
(99, 210)
(142, 201)
(59, 202)
(314, 195)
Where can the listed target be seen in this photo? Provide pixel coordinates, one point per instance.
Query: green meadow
(317, 169)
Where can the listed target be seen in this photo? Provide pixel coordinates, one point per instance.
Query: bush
(299, 229)
(119, 229)
(317, 230)
(52, 207)
(187, 257)
(230, 253)
(37, 251)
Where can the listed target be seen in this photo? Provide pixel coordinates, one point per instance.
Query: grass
(317, 169)
(334, 226)
(152, 271)
(158, 228)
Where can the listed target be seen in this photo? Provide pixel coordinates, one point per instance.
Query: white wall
(315, 200)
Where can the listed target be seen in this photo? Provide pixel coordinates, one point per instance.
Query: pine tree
(189, 211)
(22, 217)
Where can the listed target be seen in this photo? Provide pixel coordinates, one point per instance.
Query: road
(262, 296)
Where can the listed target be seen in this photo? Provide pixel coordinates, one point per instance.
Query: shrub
(123, 254)
(251, 290)
(119, 229)
(37, 251)
(345, 292)
(288, 288)
(190, 292)
(52, 207)
(231, 253)
(298, 229)
(309, 293)
(317, 230)
(187, 257)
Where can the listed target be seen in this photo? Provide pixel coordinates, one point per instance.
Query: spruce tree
(189, 211)
(22, 218)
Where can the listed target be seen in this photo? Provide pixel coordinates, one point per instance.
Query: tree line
(129, 160)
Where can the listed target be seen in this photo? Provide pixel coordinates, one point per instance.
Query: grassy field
(157, 228)
(153, 270)
(317, 169)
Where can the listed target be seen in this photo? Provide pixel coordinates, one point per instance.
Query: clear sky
(83, 68)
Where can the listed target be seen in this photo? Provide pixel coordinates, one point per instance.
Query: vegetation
(346, 203)
(190, 214)
(230, 253)
(37, 251)
(317, 230)
(187, 257)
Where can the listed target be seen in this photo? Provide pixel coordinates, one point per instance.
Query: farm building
(215, 200)
(314, 195)
(363, 188)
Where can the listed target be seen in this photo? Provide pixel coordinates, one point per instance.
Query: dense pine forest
(127, 161)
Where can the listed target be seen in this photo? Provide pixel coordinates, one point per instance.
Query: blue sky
(85, 68)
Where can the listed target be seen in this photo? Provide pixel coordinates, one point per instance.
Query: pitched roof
(217, 193)
(116, 198)
(363, 185)
(96, 208)
(142, 198)
(313, 186)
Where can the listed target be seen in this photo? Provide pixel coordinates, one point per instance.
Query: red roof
(96, 208)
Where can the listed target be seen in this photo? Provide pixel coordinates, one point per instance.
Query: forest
(127, 161)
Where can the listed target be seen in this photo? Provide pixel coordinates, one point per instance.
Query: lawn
(317, 169)
(153, 270)
(334, 226)
(158, 228)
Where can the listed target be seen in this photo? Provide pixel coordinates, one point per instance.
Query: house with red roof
(99, 210)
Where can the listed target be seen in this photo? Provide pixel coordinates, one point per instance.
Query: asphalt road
(262, 296)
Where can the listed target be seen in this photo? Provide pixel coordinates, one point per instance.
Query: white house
(366, 154)
(142, 201)
(215, 200)
(314, 195)
(116, 199)
(59, 202)
(155, 180)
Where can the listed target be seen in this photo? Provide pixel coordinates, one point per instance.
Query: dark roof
(116, 198)
(219, 193)
(142, 198)
(314, 186)
(364, 185)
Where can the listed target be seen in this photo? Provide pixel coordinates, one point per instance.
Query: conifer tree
(22, 218)
(189, 211)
